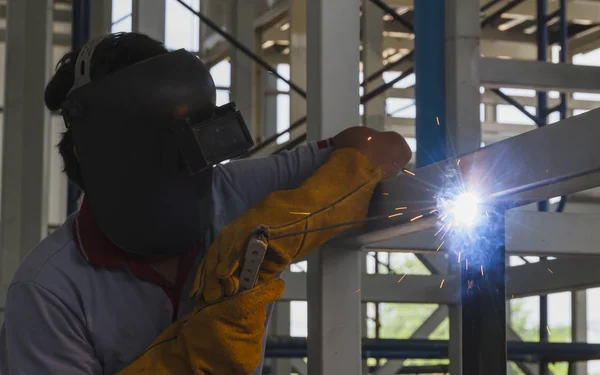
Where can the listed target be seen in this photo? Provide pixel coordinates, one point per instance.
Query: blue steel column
(430, 95)
(80, 34)
(448, 124)
(430, 99)
(542, 109)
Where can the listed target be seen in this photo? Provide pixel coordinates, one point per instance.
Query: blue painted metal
(295, 347)
(430, 96)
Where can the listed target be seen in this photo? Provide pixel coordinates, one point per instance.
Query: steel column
(270, 106)
(334, 308)
(297, 35)
(80, 34)
(101, 21)
(430, 92)
(242, 66)
(372, 55)
(578, 327)
(280, 325)
(24, 200)
(148, 17)
(483, 292)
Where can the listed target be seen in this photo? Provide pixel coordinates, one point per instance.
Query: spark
(368, 139)
(400, 208)
(467, 263)
(439, 247)
(357, 290)
(481, 270)
(299, 213)
(394, 215)
(402, 278)
(458, 162)
(437, 119)
(446, 232)
(438, 232)
(385, 193)
(548, 329)
(416, 218)
(409, 172)
(442, 283)
(549, 270)
(433, 211)
(459, 254)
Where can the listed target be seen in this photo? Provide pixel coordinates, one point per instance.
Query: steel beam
(539, 75)
(382, 288)
(528, 233)
(334, 305)
(24, 199)
(148, 17)
(295, 347)
(491, 99)
(576, 11)
(551, 276)
(497, 172)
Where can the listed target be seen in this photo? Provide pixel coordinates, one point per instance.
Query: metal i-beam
(551, 276)
(539, 75)
(497, 172)
(528, 233)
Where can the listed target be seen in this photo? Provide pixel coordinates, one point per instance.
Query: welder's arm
(222, 338)
(225, 333)
(253, 179)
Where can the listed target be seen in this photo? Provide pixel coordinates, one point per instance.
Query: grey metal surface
(559, 159)
(334, 308)
(24, 199)
(539, 75)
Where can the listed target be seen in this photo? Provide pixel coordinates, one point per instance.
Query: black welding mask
(147, 137)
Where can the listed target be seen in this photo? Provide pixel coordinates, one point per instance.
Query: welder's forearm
(388, 150)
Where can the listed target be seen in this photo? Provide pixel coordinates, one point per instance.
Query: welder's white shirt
(65, 316)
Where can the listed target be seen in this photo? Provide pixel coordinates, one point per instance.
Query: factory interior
(498, 94)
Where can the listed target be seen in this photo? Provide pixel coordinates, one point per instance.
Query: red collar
(100, 251)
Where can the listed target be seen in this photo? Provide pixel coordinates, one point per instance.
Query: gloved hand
(223, 338)
(338, 192)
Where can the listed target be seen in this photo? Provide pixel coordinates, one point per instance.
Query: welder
(148, 275)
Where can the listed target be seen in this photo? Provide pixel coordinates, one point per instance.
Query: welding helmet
(146, 137)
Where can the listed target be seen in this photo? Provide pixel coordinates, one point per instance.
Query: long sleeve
(253, 179)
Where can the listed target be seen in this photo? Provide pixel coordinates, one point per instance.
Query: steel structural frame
(561, 172)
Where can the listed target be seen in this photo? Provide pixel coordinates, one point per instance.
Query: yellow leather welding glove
(338, 192)
(223, 338)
